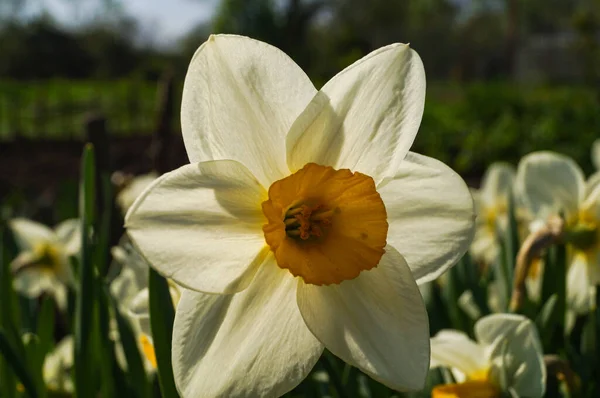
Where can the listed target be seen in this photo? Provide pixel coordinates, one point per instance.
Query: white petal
(596, 153)
(201, 225)
(485, 245)
(140, 303)
(455, 349)
(29, 233)
(58, 364)
(33, 282)
(591, 183)
(365, 118)
(376, 322)
(549, 183)
(591, 204)
(430, 215)
(516, 353)
(249, 344)
(240, 98)
(68, 233)
(579, 284)
(497, 183)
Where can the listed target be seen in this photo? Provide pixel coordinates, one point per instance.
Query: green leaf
(451, 291)
(135, 365)
(104, 345)
(45, 327)
(547, 320)
(162, 315)
(84, 385)
(7, 319)
(35, 360)
(11, 356)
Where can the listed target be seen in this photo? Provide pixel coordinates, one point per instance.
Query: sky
(165, 20)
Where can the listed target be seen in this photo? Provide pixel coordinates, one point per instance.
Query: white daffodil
(551, 184)
(132, 189)
(43, 263)
(506, 358)
(58, 366)
(491, 206)
(130, 288)
(596, 153)
(303, 221)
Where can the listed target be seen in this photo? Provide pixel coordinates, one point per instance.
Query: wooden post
(161, 139)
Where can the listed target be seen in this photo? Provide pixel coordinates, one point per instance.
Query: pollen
(325, 225)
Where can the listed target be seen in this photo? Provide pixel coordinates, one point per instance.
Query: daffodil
(551, 185)
(132, 189)
(130, 288)
(43, 264)
(506, 358)
(58, 366)
(303, 221)
(491, 205)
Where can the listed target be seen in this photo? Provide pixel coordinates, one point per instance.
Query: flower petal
(249, 344)
(497, 183)
(591, 183)
(201, 225)
(365, 118)
(455, 349)
(591, 205)
(29, 233)
(579, 283)
(68, 233)
(240, 98)
(549, 183)
(376, 322)
(33, 282)
(431, 216)
(516, 353)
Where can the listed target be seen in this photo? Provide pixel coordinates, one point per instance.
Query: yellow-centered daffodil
(506, 358)
(551, 184)
(303, 221)
(43, 263)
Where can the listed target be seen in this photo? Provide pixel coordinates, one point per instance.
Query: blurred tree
(285, 24)
(41, 50)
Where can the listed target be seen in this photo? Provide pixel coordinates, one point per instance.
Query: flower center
(305, 221)
(325, 225)
(468, 389)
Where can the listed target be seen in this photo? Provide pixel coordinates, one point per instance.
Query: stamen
(306, 221)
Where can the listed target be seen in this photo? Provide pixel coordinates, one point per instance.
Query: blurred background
(505, 77)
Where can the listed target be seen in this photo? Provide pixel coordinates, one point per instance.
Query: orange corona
(325, 225)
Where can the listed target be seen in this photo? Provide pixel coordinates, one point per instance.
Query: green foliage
(469, 127)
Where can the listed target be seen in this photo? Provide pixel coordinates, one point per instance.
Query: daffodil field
(306, 251)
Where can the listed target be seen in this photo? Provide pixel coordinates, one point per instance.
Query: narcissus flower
(505, 359)
(58, 366)
(491, 205)
(302, 222)
(43, 263)
(130, 288)
(551, 185)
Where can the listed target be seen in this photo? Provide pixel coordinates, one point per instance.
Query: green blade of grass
(135, 366)
(10, 355)
(85, 298)
(162, 315)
